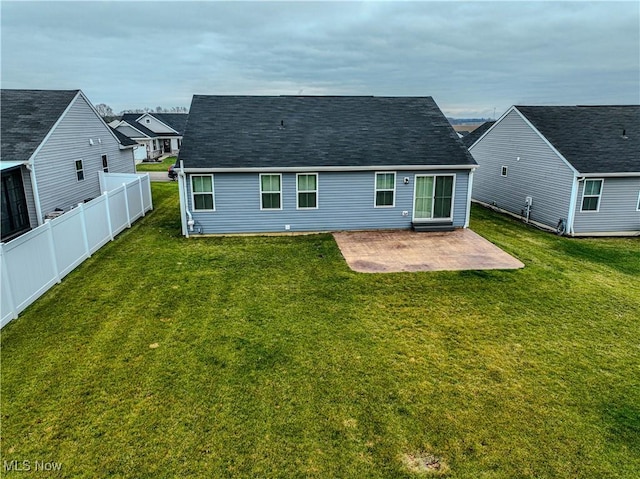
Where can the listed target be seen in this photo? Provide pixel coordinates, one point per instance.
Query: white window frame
(79, 171)
(599, 196)
(638, 202)
(105, 163)
(212, 193)
(298, 207)
(260, 186)
(504, 171)
(375, 189)
(433, 204)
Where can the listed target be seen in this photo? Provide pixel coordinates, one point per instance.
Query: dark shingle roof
(123, 139)
(26, 116)
(131, 119)
(247, 132)
(177, 121)
(472, 137)
(590, 137)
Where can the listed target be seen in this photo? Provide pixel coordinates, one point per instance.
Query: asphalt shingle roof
(26, 116)
(177, 121)
(472, 137)
(290, 132)
(123, 139)
(591, 137)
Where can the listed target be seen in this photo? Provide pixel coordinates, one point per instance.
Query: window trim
(433, 204)
(212, 193)
(298, 191)
(638, 202)
(504, 171)
(105, 163)
(599, 196)
(280, 192)
(375, 189)
(79, 171)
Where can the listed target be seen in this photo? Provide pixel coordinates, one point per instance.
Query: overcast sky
(471, 57)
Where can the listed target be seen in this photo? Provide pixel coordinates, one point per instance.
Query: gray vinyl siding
(618, 208)
(345, 202)
(55, 170)
(539, 173)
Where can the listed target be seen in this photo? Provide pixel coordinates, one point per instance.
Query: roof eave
(299, 169)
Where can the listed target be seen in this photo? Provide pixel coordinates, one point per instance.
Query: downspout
(572, 205)
(36, 196)
(187, 225)
(469, 191)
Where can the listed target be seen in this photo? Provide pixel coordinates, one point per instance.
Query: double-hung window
(385, 190)
(105, 164)
(433, 197)
(270, 191)
(307, 188)
(591, 195)
(202, 192)
(79, 170)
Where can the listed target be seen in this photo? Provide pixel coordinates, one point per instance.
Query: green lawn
(162, 166)
(266, 357)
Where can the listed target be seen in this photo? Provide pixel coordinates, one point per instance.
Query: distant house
(52, 146)
(254, 164)
(571, 168)
(159, 133)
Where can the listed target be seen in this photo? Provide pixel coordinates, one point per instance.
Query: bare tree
(104, 110)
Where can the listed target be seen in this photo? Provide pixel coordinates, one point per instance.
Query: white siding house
(53, 146)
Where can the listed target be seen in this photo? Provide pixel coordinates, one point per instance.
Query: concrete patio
(405, 251)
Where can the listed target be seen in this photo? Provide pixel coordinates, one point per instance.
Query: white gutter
(610, 175)
(469, 188)
(572, 205)
(329, 168)
(184, 211)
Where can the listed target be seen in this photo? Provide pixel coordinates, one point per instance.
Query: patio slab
(398, 251)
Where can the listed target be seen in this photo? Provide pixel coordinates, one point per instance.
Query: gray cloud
(471, 57)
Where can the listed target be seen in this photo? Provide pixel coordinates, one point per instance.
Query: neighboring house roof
(131, 118)
(591, 137)
(319, 131)
(123, 139)
(472, 137)
(26, 117)
(177, 121)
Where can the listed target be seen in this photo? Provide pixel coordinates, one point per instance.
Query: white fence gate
(35, 261)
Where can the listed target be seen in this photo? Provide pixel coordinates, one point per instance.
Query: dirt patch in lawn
(424, 463)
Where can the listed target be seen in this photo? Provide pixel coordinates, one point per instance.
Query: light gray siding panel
(55, 170)
(345, 202)
(539, 172)
(618, 208)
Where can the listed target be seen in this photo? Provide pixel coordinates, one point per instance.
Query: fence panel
(68, 241)
(35, 261)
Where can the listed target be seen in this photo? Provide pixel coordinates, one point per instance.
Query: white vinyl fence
(35, 261)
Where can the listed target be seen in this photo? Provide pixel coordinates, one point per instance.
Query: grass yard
(161, 166)
(266, 357)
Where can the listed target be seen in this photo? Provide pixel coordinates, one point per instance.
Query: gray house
(571, 168)
(254, 164)
(159, 133)
(52, 146)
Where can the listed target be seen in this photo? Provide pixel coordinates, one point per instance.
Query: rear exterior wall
(533, 169)
(55, 170)
(345, 202)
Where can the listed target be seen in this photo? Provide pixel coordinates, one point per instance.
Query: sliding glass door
(433, 197)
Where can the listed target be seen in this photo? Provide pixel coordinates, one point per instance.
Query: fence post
(144, 213)
(106, 203)
(52, 250)
(126, 204)
(6, 285)
(83, 225)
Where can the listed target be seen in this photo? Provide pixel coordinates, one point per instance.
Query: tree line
(105, 111)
